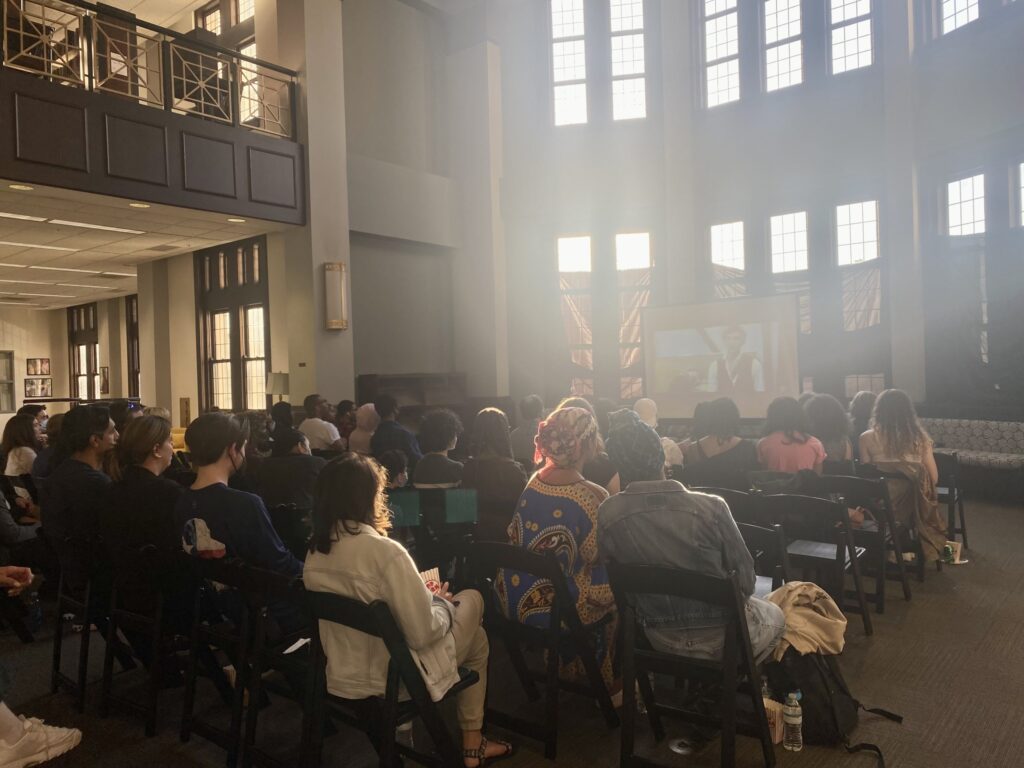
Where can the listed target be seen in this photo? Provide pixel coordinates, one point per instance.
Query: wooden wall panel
(51, 133)
(136, 150)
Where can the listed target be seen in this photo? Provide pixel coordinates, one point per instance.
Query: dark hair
(785, 415)
(53, 425)
(137, 440)
(344, 406)
(394, 462)
(255, 424)
(895, 421)
(439, 430)
(281, 413)
(804, 398)
(861, 406)
(350, 490)
(531, 407)
(701, 424)
(827, 419)
(20, 432)
(121, 411)
(385, 405)
(310, 404)
(80, 425)
(32, 409)
(491, 435)
(723, 418)
(602, 410)
(287, 439)
(211, 434)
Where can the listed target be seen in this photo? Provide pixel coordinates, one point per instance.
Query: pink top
(779, 454)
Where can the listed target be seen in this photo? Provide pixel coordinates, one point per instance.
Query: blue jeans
(765, 623)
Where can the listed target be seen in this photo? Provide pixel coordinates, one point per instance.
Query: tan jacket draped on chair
(916, 503)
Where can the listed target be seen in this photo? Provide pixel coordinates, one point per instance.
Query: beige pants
(471, 651)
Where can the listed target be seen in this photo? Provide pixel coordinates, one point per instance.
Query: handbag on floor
(830, 712)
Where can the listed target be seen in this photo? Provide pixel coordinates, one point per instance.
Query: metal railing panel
(264, 100)
(45, 38)
(201, 83)
(127, 62)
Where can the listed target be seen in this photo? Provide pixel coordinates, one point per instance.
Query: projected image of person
(737, 370)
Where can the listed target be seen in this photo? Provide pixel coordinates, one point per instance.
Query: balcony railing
(77, 44)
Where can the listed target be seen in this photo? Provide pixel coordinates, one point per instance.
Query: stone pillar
(480, 310)
(305, 35)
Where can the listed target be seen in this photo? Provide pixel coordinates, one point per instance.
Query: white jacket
(367, 566)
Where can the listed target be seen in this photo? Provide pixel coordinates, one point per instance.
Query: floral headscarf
(560, 439)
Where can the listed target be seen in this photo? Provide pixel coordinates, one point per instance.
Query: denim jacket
(660, 522)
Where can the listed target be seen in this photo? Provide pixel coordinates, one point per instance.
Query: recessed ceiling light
(138, 205)
(49, 295)
(20, 187)
(15, 266)
(67, 269)
(18, 304)
(119, 274)
(80, 285)
(36, 245)
(85, 225)
(237, 221)
(21, 216)
(26, 282)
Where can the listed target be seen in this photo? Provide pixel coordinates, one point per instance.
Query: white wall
(27, 333)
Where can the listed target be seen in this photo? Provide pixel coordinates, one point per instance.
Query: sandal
(480, 753)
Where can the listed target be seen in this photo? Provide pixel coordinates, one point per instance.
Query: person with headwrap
(558, 513)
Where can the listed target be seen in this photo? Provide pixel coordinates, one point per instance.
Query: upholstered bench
(989, 444)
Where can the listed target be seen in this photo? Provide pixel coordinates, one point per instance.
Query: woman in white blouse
(351, 555)
(21, 442)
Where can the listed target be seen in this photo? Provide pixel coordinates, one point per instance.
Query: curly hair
(785, 415)
(895, 421)
(827, 419)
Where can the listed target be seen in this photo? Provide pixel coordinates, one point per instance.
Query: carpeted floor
(951, 661)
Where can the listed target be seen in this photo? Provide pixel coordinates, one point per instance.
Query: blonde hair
(158, 411)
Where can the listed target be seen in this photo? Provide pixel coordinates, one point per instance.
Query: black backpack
(829, 711)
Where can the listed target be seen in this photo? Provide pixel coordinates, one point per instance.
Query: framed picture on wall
(104, 380)
(39, 387)
(38, 366)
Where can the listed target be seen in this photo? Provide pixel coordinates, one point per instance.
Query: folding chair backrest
(257, 585)
(804, 517)
(838, 467)
(708, 475)
(948, 465)
(872, 493)
(771, 544)
(743, 506)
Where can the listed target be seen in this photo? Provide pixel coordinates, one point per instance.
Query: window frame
(83, 333)
(556, 84)
(707, 64)
(779, 43)
(642, 76)
(131, 325)
(204, 12)
(833, 26)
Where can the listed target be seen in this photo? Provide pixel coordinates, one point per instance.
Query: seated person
(26, 741)
(397, 467)
(787, 446)
(390, 435)
(861, 407)
(289, 478)
(41, 466)
(721, 451)
(827, 420)
(22, 441)
(531, 409)
(345, 418)
(647, 410)
(558, 512)
(322, 434)
(140, 512)
(366, 419)
(598, 469)
(237, 522)
(497, 478)
(76, 492)
(439, 433)
(659, 522)
(896, 443)
(351, 555)
(281, 416)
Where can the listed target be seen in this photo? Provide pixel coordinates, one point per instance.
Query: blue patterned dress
(561, 519)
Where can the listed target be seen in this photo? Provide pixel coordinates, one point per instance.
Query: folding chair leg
(647, 694)
(450, 753)
(515, 654)
(728, 707)
(880, 578)
(859, 586)
(191, 669)
(901, 566)
(155, 673)
(963, 518)
(586, 654)
(629, 679)
(551, 702)
(58, 640)
(108, 668)
(83, 663)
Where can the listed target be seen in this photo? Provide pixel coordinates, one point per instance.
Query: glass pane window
(721, 52)
(633, 251)
(222, 335)
(246, 9)
(857, 232)
(957, 13)
(221, 384)
(966, 206)
(727, 245)
(248, 90)
(789, 242)
(566, 18)
(254, 327)
(865, 382)
(783, 46)
(570, 104)
(627, 15)
(629, 85)
(574, 254)
(569, 62)
(851, 35)
(862, 298)
(211, 20)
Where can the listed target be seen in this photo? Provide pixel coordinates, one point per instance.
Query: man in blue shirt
(237, 523)
(392, 436)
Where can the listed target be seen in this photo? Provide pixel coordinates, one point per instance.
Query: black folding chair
(950, 493)
(78, 599)
(707, 474)
(13, 613)
(377, 717)
(639, 661)
(892, 480)
(771, 561)
(293, 526)
(483, 560)
(742, 505)
(839, 467)
(244, 638)
(882, 536)
(819, 538)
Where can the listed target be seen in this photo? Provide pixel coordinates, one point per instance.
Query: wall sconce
(335, 296)
(277, 384)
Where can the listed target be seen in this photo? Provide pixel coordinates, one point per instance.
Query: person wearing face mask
(215, 520)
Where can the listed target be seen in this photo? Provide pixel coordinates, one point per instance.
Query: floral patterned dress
(561, 519)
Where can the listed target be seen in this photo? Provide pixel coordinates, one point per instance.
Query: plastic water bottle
(792, 719)
(766, 691)
(35, 613)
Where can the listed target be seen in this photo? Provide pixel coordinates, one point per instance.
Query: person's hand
(22, 502)
(14, 579)
(445, 593)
